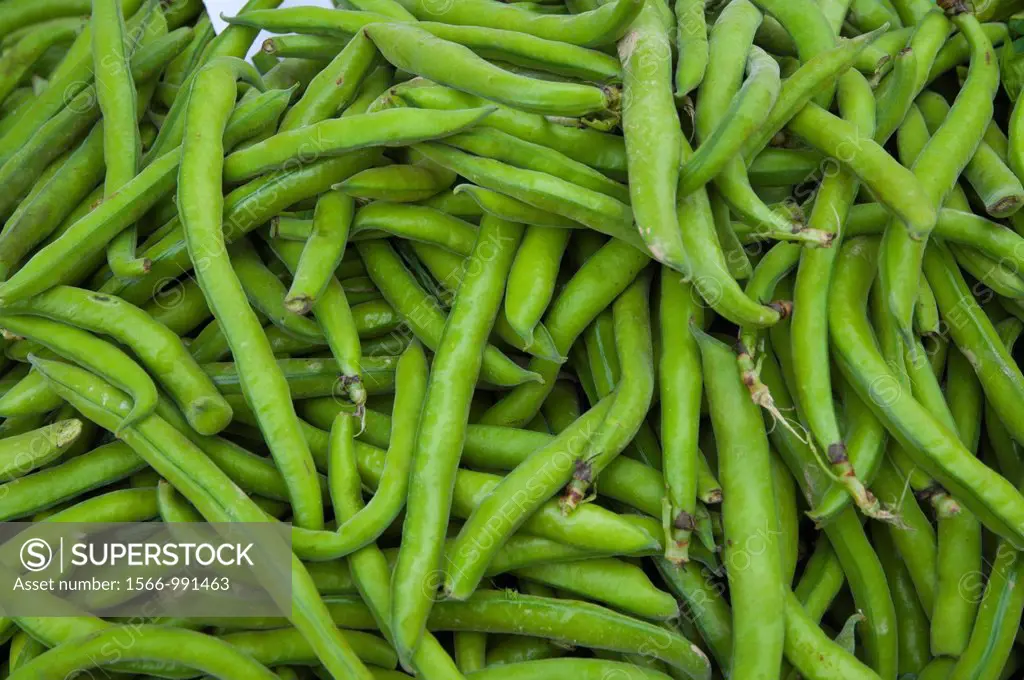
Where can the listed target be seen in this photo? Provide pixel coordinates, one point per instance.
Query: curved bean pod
(394, 127)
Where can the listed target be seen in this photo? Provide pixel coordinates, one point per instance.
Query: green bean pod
(594, 28)
(455, 370)
(599, 150)
(998, 615)
(422, 314)
(396, 127)
(417, 51)
(651, 129)
(200, 204)
(632, 396)
(599, 281)
(932, 446)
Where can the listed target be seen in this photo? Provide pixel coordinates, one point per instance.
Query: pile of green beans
(590, 339)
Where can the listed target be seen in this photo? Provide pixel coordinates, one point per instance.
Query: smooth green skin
(331, 309)
(303, 46)
(911, 620)
(23, 13)
(932, 446)
(116, 95)
(369, 567)
(709, 272)
(926, 311)
(185, 63)
(23, 649)
(892, 184)
(530, 52)
(29, 396)
(899, 88)
(723, 131)
(593, 209)
(735, 257)
(210, 491)
(390, 8)
(633, 392)
(692, 44)
(1001, 279)
(90, 352)
(1015, 131)
(396, 183)
(23, 453)
(366, 523)
(552, 669)
(423, 314)
(516, 649)
(599, 150)
(652, 134)
(959, 537)
(200, 204)
(974, 335)
(335, 86)
(286, 646)
(322, 252)
(49, 487)
(798, 89)
(17, 61)
(508, 208)
(416, 223)
(266, 292)
(562, 407)
(749, 516)
(596, 28)
(314, 20)
(915, 539)
(449, 269)
(246, 208)
(992, 239)
(72, 75)
(996, 185)
(569, 622)
(157, 347)
(416, 51)
(773, 267)
(532, 278)
(938, 166)
(545, 471)
(777, 167)
(234, 41)
(813, 652)
(806, 24)
(821, 580)
(65, 128)
(454, 373)
(608, 581)
(680, 388)
(157, 644)
(998, 616)
(835, 12)
(89, 235)
(956, 52)
(124, 505)
(833, 202)
(594, 286)
(859, 561)
(458, 205)
(501, 448)
(308, 378)
(865, 447)
(705, 604)
(591, 531)
(393, 127)
(493, 143)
